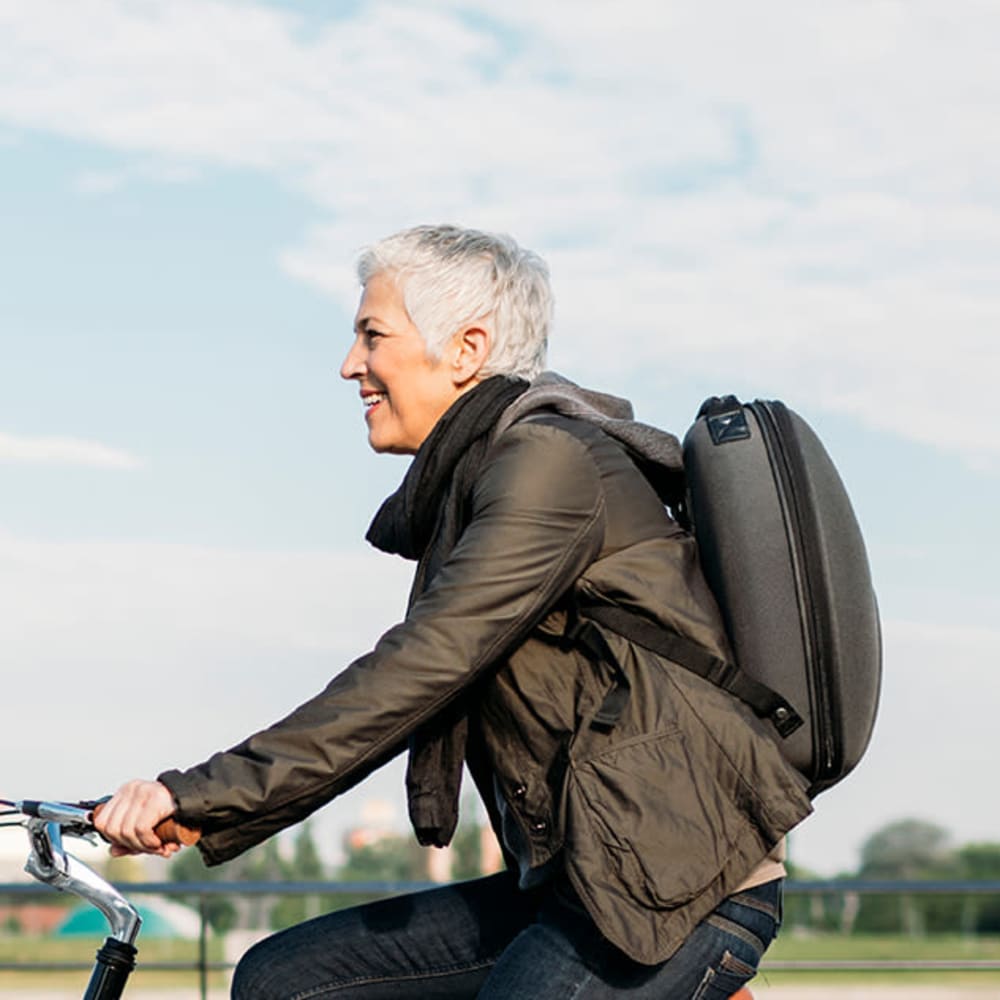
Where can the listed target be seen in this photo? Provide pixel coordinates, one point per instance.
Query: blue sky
(800, 203)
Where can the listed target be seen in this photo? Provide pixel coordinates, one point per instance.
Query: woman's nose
(353, 366)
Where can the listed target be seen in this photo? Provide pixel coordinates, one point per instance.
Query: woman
(640, 808)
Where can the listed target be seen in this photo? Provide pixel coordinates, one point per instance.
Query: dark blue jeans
(488, 939)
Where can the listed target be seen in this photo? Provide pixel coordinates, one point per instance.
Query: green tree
(220, 911)
(908, 850)
(305, 866)
(262, 863)
(467, 852)
(265, 864)
(820, 911)
(981, 863)
(467, 844)
(393, 858)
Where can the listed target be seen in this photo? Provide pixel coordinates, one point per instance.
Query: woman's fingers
(128, 819)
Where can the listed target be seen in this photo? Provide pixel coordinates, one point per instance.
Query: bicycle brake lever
(90, 805)
(82, 833)
(93, 803)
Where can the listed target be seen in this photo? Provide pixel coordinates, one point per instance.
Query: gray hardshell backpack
(783, 553)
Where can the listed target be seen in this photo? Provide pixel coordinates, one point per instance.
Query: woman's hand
(128, 819)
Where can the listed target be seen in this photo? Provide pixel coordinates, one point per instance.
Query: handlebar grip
(172, 832)
(169, 830)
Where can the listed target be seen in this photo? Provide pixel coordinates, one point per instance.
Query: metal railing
(204, 891)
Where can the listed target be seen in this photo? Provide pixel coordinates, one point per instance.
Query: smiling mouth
(371, 400)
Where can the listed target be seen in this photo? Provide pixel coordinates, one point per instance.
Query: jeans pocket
(721, 981)
(744, 935)
(756, 910)
(743, 926)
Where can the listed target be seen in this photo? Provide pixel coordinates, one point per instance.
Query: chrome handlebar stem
(50, 863)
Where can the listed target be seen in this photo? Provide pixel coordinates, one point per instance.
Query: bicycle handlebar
(79, 818)
(49, 862)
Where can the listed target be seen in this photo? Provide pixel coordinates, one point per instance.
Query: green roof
(157, 922)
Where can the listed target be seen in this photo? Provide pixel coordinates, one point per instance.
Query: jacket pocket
(652, 815)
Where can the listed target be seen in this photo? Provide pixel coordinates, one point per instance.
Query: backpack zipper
(777, 432)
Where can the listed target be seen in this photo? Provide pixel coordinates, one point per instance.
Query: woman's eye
(372, 335)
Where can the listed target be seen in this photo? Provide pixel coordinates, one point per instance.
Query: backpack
(783, 554)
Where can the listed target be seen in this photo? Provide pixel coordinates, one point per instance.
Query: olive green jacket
(656, 820)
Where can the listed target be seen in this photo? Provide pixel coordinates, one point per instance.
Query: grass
(788, 947)
(792, 947)
(861, 947)
(40, 950)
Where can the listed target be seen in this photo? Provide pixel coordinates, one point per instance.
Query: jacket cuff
(189, 795)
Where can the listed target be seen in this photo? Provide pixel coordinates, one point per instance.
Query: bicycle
(47, 823)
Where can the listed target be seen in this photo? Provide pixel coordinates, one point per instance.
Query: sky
(788, 200)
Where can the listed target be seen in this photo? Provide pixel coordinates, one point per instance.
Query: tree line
(908, 850)
(389, 857)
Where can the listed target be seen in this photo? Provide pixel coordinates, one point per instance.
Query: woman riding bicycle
(641, 809)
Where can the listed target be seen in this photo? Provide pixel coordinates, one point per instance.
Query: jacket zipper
(778, 434)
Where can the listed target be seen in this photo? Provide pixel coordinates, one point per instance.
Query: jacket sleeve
(537, 522)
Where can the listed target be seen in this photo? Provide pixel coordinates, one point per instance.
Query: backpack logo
(729, 426)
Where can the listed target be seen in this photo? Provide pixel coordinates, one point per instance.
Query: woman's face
(403, 391)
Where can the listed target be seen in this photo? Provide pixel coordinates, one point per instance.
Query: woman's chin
(383, 445)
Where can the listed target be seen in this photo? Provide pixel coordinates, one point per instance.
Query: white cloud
(64, 451)
(805, 191)
(99, 182)
(104, 182)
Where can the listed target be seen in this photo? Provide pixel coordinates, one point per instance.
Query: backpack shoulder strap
(671, 645)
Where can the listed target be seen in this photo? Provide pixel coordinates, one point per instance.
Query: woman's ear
(468, 353)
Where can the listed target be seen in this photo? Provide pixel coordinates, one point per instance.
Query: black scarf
(423, 520)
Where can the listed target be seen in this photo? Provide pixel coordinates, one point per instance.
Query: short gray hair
(451, 278)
